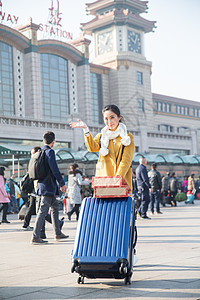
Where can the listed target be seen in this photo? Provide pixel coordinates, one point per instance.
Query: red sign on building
(54, 26)
(5, 17)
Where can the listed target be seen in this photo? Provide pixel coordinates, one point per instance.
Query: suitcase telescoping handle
(133, 233)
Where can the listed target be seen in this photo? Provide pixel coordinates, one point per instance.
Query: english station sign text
(7, 17)
(53, 28)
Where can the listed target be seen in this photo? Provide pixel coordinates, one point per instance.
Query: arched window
(7, 106)
(55, 88)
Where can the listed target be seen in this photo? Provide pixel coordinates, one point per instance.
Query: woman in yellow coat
(116, 146)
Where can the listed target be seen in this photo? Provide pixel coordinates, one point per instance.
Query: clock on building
(105, 42)
(134, 41)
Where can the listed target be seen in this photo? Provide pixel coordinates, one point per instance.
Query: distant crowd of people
(153, 189)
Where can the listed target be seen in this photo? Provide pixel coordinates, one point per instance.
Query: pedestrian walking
(173, 189)
(165, 189)
(47, 188)
(184, 186)
(156, 185)
(144, 187)
(4, 197)
(75, 182)
(29, 188)
(13, 200)
(191, 183)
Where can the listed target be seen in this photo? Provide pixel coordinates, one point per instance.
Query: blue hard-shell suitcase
(105, 239)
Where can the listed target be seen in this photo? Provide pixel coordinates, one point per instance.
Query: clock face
(134, 42)
(105, 42)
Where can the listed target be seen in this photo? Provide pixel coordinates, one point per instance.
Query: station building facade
(44, 84)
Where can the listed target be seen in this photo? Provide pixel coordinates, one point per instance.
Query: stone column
(194, 141)
(143, 138)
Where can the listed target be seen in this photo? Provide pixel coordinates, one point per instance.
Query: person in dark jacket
(156, 185)
(173, 188)
(165, 189)
(47, 188)
(134, 183)
(143, 187)
(13, 200)
(32, 205)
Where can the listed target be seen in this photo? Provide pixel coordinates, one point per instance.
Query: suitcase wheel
(80, 280)
(123, 269)
(127, 280)
(74, 266)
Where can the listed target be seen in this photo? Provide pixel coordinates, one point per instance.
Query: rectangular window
(139, 77)
(182, 110)
(54, 87)
(160, 105)
(140, 104)
(156, 105)
(186, 111)
(96, 97)
(196, 112)
(7, 103)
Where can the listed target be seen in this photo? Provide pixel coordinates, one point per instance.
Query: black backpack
(37, 168)
(26, 184)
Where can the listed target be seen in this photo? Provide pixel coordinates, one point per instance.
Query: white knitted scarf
(107, 135)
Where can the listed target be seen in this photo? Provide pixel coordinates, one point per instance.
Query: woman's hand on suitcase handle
(79, 124)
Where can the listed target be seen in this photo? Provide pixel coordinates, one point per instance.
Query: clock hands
(107, 40)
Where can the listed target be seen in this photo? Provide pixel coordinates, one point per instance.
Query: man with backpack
(47, 187)
(156, 185)
(27, 186)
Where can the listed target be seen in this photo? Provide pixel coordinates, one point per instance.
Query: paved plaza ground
(168, 268)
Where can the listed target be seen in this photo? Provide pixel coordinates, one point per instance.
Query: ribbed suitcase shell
(102, 236)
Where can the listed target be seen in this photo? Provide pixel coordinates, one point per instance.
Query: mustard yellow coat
(114, 163)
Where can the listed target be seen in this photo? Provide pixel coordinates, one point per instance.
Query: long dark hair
(75, 170)
(2, 169)
(114, 108)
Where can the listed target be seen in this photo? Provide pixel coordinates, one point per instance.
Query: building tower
(118, 32)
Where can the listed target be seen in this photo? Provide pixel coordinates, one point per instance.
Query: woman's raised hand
(78, 124)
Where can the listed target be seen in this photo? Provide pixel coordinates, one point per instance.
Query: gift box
(110, 187)
(108, 181)
(111, 192)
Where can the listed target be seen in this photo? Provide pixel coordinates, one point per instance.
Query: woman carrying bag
(74, 189)
(116, 146)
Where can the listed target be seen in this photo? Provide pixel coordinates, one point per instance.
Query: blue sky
(173, 49)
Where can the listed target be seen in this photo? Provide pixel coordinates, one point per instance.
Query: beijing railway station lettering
(54, 26)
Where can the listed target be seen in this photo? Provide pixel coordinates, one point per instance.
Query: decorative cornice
(127, 62)
(118, 17)
(175, 100)
(13, 37)
(100, 6)
(27, 26)
(63, 49)
(99, 69)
